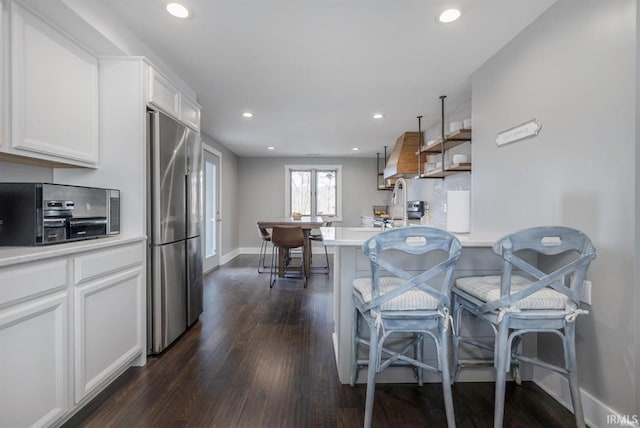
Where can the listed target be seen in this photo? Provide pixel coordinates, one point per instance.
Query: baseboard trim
(256, 250)
(226, 258)
(596, 413)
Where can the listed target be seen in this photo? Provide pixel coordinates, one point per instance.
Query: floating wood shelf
(450, 141)
(453, 169)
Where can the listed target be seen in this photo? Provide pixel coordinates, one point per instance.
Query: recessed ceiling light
(247, 115)
(378, 116)
(449, 15)
(178, 10)
(271, 148)
(355, 149)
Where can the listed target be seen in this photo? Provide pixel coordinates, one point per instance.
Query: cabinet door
(163, 94)
(34, 362)
(108, 332)
(189, 112)
(54, 98)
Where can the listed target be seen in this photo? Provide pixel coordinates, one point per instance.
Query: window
(314, 190)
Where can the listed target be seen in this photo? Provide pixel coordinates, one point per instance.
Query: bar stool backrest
(548, 241)
(414, 241)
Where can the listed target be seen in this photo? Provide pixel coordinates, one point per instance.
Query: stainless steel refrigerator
(175, 250)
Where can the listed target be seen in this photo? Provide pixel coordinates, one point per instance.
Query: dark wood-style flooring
(264, 358)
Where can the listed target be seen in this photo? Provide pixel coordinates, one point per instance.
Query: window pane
(301, 192)
(326, 195)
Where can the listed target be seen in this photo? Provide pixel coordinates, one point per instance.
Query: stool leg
(457, 322)
(355, 342)
(326, 256)
(443, 357)
(272, 277)
(321, 269)
(302, 269)
(371, 375)
(420, 357)
(262, 256)
(571, 366)
(501, 355)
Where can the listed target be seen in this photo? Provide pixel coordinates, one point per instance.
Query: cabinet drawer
(31, 279)
(98, 263)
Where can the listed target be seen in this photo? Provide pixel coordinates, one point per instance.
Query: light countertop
(15, 255)
(355, 237)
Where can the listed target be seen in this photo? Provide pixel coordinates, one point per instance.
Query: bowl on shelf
(455, 126)
(460, 159)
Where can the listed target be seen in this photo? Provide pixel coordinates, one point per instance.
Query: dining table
(306, 223)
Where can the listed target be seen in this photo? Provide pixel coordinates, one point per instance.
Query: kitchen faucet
(404, 198)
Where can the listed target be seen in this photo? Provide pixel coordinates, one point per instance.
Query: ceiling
(314, 72)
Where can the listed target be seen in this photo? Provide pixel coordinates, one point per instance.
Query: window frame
(313, 168)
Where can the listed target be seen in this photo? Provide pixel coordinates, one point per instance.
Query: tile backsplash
(436, 198)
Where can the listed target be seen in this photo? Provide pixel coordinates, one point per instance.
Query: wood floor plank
(263, 357)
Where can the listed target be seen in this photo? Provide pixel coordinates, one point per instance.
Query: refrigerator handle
(187, 195)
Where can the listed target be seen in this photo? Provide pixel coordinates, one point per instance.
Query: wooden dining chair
(317, 237)
(408, 304)
(265, 238)
(531, 301)
(285, 239)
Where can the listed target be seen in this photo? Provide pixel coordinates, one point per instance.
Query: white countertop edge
(16, 255)
(356, 236)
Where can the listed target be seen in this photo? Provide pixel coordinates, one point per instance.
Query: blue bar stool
(409, 304)
(530, 302)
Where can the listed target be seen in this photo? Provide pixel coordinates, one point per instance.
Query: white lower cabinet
(108, 319)
(69, 325)
(34, 374)
(109, 297)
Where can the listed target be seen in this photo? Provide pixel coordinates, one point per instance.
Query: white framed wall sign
(527, 129)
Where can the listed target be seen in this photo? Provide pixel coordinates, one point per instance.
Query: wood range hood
(403, 160)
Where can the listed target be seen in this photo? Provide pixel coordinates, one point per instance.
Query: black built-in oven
(86, 227)
(43, 213)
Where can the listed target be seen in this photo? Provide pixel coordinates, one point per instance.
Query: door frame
(206, 147)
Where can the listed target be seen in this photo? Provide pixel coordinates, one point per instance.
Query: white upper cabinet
(189, 112)
(163, 94)
(54, 94)
(168, 98)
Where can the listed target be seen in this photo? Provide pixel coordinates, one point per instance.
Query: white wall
(17, 172)
(574, 70)
(261, 191)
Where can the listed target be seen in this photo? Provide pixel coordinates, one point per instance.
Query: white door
(212, 218)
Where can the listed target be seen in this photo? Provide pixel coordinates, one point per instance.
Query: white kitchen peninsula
(349, 263)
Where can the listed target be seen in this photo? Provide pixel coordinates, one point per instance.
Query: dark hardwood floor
(264, 358)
